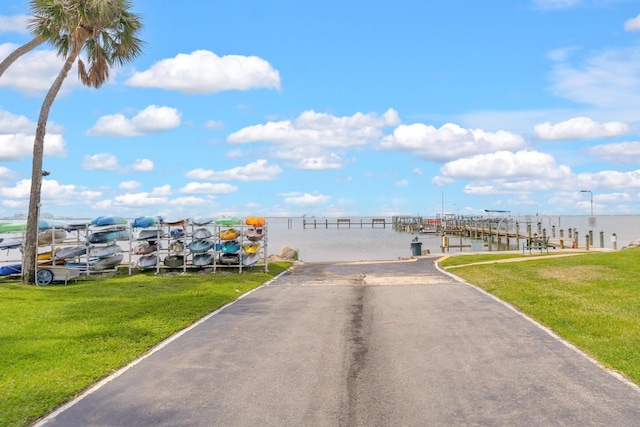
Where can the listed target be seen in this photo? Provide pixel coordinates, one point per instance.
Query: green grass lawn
(457, 260)
(592, 300)
(57, 340)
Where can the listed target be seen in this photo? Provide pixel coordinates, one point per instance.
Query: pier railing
(344, 223)
(501, 233)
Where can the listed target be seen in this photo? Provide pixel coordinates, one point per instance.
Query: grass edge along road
(59, 340)
(590, 300)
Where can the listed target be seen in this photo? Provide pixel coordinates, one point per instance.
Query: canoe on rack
(177, 247)
(108, 236)
(173, 261)
(146, 221)
(174, 222)
(254, 234)
(8, 270)
(201, 220)
(250, 259)
(203, 259)
(201, 233)
(228, 220)
(147, 261)
(102, 221)
(104, 251)
(107, 263)
(251, 248)
(178, 233)
(198, 246)
(48, 237)
(71, 252)
(230, 247)
(229, 259)
(256, 221)
(229, 234)
(145, 248)
(11, 243)
(153, 234)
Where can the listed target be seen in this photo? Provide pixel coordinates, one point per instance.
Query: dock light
(592, 220)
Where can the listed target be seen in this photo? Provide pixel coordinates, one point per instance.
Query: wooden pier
(500, 233)
(344, 223)
(508, 233)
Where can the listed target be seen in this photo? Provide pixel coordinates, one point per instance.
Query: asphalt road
(367, 344)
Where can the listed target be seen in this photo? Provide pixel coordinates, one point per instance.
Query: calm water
(374, 244)
(357, 244)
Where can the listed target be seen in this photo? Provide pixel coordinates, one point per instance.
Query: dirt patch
(573, 274)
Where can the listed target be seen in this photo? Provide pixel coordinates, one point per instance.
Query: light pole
(592, 220)
(591, 197)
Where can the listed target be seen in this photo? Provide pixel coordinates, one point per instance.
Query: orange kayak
(255, 221)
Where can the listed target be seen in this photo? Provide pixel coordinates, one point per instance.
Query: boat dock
(344, 223)
(507, 233)
(501, 233)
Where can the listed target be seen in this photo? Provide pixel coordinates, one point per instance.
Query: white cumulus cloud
(101, 161)
(11, 123)
(130, 185)
(208, 188)
(150, 120)
(142, 165)
(18, 146)
(622, 153)
(259, 170)
(608, 79)
(579, 128)
(52, 190)
(313, 138)
(139, 199)
(34, 72)
(632, 24)
(203, 71)
(15, 23)
(450, 141)
(506, 164)
(306, 199)
(555, 4)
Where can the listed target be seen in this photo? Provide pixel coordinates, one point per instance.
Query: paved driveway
(365, 344)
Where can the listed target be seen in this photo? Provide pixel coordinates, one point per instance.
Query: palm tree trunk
(31, 241)
(25, 48)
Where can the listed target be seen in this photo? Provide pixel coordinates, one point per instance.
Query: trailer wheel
(44, 277)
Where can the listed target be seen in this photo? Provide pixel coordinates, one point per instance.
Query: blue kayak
(108, 220)
(7, 270)
(146, 221)
(230, 247)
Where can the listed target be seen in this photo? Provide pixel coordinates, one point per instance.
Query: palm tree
(106, 32)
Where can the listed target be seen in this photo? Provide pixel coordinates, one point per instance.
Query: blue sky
(338, 108)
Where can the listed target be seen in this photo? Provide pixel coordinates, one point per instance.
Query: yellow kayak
(251, 248)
